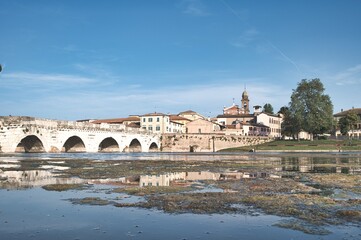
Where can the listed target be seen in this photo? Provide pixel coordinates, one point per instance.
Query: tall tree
(267, 108)
(310, 108)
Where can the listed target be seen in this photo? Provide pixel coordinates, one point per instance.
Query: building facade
(202, 126)
(160, 123)
(272, 121)
(355, 130)
(240, 121)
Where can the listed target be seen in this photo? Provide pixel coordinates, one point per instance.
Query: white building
(272, 121)
(160, 123)
(356, 129)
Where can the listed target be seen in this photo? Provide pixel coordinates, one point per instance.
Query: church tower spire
(245, 101)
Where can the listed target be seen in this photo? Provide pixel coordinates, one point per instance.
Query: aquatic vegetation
(302, 226)
(143, 191)
(200, 203)
(90, 201)
(64, 187)
(351, 215)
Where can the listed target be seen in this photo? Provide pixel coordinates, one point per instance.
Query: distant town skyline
(88, 59)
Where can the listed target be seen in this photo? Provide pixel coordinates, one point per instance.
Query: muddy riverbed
(181, 196)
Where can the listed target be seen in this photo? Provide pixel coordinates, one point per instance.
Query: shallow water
(34, 213)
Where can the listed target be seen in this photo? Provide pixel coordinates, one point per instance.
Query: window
(150, 119)
(150, 128)
(157, 128)
(143, 119)
(157, 119)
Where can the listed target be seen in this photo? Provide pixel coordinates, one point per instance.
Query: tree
(348, 122)
(267, 108)
(310, 109)
(344, 125)
(288, 128)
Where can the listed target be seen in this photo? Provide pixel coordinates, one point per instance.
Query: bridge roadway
(29, 134)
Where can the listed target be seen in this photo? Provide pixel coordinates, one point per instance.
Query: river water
(27, 211)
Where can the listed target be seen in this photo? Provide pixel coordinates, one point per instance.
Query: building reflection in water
(168, 178)
(321, 165)
(32, 178)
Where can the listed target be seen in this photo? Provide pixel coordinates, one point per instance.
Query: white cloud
(245, 38)
(349, 76)
(195, 8)
(88, 98)
(44, 79)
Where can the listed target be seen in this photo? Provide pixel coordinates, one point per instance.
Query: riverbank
(301, 146)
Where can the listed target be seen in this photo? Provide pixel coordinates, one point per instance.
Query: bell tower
(245, 102)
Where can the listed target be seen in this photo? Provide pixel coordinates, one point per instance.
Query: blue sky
(105, 59)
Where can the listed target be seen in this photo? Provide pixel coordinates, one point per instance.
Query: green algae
(64, 187)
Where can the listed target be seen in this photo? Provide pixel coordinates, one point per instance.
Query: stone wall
(207, 142)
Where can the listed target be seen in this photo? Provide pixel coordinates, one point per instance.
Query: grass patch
(303, 145)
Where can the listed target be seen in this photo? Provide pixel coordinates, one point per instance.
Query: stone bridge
(29, 134)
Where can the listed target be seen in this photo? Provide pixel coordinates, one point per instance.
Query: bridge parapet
(24, 121)
(35, 134)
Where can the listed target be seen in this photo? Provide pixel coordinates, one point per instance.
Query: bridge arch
(109, 144)
(74, 144)
(134, 146)
(153, 147)
(30, 144)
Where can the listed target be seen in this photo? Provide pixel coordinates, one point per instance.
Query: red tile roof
(154, 114)
(178, 118)
(344, 113)
(117, 120)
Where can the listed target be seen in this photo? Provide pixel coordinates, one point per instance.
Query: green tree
(348, 122)
(310, 109)
(288, 128)
(267, 108)
(344, 125)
